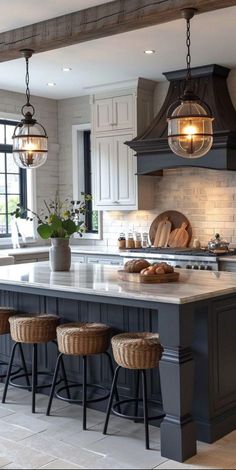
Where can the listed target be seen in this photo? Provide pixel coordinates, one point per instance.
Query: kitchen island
(196, 320)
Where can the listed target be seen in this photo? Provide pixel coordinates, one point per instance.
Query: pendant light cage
(30, 140)
(190, 120)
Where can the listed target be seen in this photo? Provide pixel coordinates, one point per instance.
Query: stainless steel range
(187, 258)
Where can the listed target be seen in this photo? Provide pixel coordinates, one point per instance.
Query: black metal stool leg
(54, 383)
(113, 388)
(84, 392)
(64, 376)
(145, 408)
(112, 375)
(9, 372)
(24, 365)
(34, 374)
(137, 394)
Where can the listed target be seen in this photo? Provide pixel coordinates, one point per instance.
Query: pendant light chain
(188, 57)
(27, 82)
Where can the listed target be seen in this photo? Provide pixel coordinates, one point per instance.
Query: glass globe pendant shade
(30, 141)
(190, 130)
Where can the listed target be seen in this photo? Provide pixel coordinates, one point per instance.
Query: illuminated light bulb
(190, 130)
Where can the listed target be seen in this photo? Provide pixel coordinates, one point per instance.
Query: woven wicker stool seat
(137, 350)
(83, 339)
(33, 329)
(36, 330)
(5, 314)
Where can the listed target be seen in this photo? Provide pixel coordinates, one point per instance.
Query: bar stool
(140, 352)
(35, 330)
(5, 314)
(84, 340)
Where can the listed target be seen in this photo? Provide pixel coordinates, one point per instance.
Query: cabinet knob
(115, 202)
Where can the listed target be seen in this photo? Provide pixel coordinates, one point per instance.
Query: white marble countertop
(102, 280)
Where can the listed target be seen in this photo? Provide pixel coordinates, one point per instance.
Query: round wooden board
(176, 218)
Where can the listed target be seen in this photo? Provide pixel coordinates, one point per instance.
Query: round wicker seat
(83, 339)
(5, 314)
(137, 350)
(33, 329)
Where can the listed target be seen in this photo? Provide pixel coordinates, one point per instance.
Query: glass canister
(138, 240)
(145, 240)
(130, 241)
(122, 241)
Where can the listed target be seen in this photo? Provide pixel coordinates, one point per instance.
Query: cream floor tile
(29, 422)
(15, 432)
(62, 450)
(129, 450)
(21, 456)
(60, 464)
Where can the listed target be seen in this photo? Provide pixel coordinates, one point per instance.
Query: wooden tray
(155, 279)
(175, 217)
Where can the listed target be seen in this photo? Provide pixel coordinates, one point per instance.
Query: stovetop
(183, 251)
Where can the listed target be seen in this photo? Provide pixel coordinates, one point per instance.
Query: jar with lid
(130, 241)
(145, 241)
(138, 240)
(122, 241)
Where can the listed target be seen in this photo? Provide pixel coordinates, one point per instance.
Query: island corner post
(197, 367)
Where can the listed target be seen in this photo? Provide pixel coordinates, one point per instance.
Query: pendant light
(190, 129)
(30, 141)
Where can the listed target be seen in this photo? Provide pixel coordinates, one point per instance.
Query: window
(82, 177)
(91, 219)
(13, 187)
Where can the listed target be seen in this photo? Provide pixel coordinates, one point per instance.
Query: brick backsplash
(206, 197)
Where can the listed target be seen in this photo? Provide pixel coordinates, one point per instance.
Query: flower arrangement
(59, 219)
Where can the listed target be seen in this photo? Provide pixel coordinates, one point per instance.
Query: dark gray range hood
(210, 84)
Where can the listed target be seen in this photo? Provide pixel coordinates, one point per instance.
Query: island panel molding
(96, 22)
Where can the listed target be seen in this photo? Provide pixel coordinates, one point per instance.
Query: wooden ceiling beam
(96, 22)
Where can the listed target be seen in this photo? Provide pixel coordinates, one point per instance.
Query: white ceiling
(116, 58)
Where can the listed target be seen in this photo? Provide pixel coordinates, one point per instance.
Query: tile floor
(57, 442)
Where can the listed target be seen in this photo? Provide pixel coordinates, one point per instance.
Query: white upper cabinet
(111, 114)
(118, 117)
(103, 115)
(114, 165)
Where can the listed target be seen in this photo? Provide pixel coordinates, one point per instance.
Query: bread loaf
(136, 265)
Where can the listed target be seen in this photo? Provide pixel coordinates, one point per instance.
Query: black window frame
(88, 181)
(6, 149)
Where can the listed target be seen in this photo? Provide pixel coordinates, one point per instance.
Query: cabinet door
(103, 115)
(125, 172)
(103, 161)
(123, 112)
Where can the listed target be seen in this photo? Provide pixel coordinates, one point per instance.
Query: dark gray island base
(196, 320)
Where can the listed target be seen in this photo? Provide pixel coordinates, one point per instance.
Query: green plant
(62, 218)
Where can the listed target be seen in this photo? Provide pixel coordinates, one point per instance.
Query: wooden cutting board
(154, 279)
(179, 237)
(162, 233)
(176, 218)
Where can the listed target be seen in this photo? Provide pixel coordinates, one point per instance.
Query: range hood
(210, 84)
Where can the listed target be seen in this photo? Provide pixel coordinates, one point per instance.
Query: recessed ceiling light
(149, 51)
(51, 84)
(66, 69)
